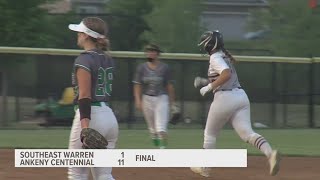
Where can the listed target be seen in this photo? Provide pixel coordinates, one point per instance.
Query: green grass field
(295, 142)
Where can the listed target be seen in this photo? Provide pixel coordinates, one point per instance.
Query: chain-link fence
(283, 91)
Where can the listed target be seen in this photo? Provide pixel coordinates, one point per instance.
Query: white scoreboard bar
(131, 158)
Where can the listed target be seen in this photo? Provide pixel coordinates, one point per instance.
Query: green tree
(64, 38)
(294, 27)
(127, 23)
(24, 23)
(175, 25)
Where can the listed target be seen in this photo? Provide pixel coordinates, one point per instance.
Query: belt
(229, 89)
(99, 104)
(150, 95)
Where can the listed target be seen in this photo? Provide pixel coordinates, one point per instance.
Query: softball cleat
(203, 171)
(274, 162)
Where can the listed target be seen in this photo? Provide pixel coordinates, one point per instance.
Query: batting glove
(206, 89)
(199, 81)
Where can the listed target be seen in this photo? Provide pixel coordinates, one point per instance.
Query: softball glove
(92, 139)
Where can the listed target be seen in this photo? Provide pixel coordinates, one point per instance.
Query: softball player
(152, 85)
(92, 79)
(230, 104)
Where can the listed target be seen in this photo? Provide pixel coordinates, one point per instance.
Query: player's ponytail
(103, 43)
(227, 53)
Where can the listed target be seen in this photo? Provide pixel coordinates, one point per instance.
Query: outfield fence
(284, 91)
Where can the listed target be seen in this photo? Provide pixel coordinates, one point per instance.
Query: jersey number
(104, 83)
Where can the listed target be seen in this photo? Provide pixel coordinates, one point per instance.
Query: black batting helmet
(211, 40)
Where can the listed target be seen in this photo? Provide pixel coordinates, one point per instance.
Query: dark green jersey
(101, 67)
(153, 81)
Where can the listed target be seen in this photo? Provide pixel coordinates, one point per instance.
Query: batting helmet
(211, 40)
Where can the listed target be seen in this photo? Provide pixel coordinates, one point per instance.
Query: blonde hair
(98, 25)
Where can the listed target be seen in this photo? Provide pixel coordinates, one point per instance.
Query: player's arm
(137, 95)
(84, 101)
(169, 81)
(219, 65)
(224, 77)
(174, 107)
(137, 87)
(171, 93)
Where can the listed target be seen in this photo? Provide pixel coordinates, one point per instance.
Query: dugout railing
(283, 90)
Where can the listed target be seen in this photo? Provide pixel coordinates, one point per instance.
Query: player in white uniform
(152, 84)
(92, 79)
(230, 103)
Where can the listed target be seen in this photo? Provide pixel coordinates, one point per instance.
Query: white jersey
(219, 62)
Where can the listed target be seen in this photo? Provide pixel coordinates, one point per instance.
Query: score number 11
(121, 161)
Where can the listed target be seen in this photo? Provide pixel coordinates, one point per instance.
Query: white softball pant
(104, 121)
(156, 112)
(233, 106)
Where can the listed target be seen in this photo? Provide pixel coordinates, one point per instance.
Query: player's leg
(148, 103)
(217, 117)
(162, 119)
(242, 124)
(104, 121)
(243, 128)
(76, 173)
